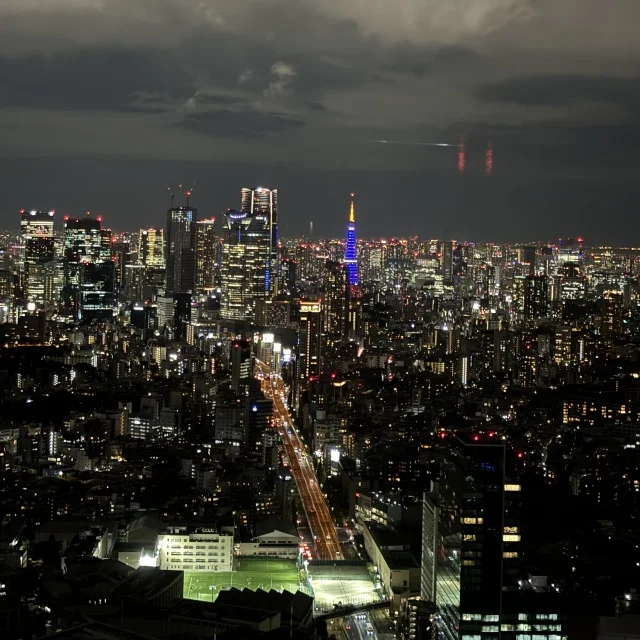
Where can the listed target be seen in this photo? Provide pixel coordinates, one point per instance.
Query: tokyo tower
(350, 257)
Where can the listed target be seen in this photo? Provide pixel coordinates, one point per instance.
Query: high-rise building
(527, 257)
(151, 248)
(181, 315)
(284, 493)
(245, 261)
(37, 255)
(473, 525)
(206, 256)
(478, 534)
(350, 253)
(241, 364)
(428, 562)
(310, 338)
(122, 257)
(97, 292)
(335, 301)
(536, 296)
(180, 249)
(354, 294)
(612, 306)
(288, 278)
(264, 202)
(447, 261)
(88, 267)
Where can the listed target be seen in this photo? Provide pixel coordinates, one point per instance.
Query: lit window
(510, 538)
(512, 487)
(510, 554)
(511, 530)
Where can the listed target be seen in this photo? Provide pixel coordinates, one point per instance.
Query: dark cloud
(303, 85)
(88, 80)
(561, 90)
(247, 122)
(419, 61)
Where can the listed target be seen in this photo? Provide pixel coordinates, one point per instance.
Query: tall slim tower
(335, 302)
(180, 249)
(258, 201)
(206, 255)
(350, 254)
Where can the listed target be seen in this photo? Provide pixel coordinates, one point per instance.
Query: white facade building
(199, 550)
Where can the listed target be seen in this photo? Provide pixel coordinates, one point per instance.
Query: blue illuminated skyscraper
(350, 255)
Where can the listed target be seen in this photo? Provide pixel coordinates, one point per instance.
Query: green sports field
(250, 573)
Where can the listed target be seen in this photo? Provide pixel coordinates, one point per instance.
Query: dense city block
(208, 429)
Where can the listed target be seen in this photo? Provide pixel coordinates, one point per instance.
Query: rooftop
(272, 600)
(219, 611)
(147, 582)
(273, 524)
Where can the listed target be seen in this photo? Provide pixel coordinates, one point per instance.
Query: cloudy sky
(104, 102)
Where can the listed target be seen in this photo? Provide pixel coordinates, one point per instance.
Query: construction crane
(187, 192)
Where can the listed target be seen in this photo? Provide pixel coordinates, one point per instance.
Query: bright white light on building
(268, 338)
(277, 347)
(335, 455)
(147, 560)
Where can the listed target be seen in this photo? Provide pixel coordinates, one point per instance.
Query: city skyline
(107, 120)
(216, 220)
(320, 319)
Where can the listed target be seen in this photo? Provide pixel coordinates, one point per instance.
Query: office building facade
(310, 338)
(151, 248)
(37, 255)
(245, 263)
(259, 201)
(180, 249)
(206, 256)
(88, 269)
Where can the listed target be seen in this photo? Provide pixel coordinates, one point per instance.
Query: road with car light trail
(315, 506)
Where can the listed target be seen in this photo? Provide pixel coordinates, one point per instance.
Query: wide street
(318, 515)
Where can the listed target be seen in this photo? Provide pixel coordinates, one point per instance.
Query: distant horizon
(302, 237)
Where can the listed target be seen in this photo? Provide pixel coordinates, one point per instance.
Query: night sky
(104, 102)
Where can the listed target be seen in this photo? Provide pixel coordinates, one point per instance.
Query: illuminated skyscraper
(536, 297)
(89, 270)
(334, 302)
(180, 249)
(472, 545)
(151, 248)
(264, 202)
(245, 260)
(37, 254)
(350, 254)
(310, 338)
(206, 255)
